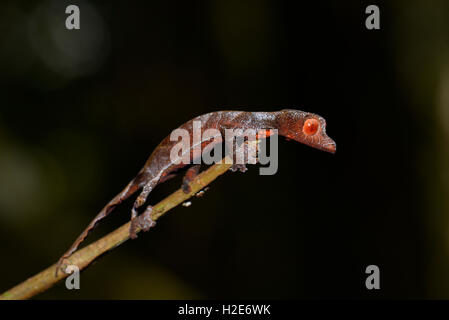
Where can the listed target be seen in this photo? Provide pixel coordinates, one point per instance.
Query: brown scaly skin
(159, 167)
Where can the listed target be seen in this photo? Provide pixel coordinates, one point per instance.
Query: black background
(310, 230)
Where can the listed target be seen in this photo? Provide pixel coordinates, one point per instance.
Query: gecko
(304, 127)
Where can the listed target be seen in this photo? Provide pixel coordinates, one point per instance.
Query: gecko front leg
(143, 222)
(247, 152)
(231, 152)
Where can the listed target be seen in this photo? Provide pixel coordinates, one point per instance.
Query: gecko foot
(142, 222)
(238, 167)
(185, 187)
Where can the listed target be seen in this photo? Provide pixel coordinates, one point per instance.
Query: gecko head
(307, 128)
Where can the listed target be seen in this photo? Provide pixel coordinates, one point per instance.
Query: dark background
(80, 112)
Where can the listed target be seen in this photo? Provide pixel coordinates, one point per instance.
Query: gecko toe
(238, 167)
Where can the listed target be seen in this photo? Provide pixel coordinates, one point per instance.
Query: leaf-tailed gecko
(304, 127)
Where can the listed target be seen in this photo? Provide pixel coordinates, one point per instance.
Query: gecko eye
(310, 127)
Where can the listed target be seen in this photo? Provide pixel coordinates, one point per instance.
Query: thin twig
(82, 258)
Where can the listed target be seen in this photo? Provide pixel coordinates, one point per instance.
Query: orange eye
(310, 126)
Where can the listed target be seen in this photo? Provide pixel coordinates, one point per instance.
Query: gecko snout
(329, 145)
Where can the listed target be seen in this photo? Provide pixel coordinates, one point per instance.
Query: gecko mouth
(329, 145)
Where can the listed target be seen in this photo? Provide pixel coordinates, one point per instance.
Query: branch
(83, 257)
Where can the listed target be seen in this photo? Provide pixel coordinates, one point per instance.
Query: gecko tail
(130, 189)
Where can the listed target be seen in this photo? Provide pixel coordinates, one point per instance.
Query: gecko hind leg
(137, 222)
(144, 222)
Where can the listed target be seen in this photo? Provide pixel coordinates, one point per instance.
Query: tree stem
(83, 257)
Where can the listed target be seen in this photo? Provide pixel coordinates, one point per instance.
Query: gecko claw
(238, 167)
